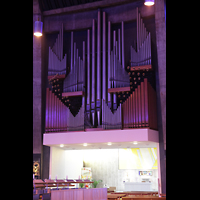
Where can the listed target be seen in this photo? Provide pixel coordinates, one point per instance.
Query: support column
(37, 94)
(161, 55)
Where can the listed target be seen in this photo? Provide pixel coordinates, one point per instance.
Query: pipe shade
(38, 28)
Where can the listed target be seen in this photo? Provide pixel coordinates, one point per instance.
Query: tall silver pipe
(137, 30)
(76, 71)
(104, 59)
(72, 51)
(93, 61)
(119, 45)
(114, 54)
(109, 74)
(111, 68)
(62, 43)
(93, 102)
(99, 56)
(150, 46)
(142, 32)
(79, 74)
(88, 71)
(74, 68)
(83, 68)
(123, 59)
(74, 57)
(114, 67)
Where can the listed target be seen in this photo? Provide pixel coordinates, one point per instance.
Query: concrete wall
(161, 84)
(37, 95)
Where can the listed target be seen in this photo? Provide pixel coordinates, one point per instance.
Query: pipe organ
(99, 90)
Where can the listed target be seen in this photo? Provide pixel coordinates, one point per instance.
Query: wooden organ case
(97, 89)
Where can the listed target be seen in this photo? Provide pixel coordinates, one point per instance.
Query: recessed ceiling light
(135, 142)
(85, 144)
(61, 145)
(149, 2)
(109, 143)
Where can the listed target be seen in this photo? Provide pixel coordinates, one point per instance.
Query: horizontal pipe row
(111, 120)
(76, 123)
(56, 113)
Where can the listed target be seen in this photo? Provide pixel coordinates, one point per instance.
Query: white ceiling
(117, 145)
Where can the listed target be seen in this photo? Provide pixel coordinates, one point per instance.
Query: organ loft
(100, 78)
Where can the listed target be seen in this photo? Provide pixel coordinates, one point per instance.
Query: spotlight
(38, 28)
(149, 2)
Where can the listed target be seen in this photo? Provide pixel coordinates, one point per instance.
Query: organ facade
(94, 86)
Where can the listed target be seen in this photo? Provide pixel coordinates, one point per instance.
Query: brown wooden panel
(61, 76)
(121, 89)
(70, 94)
(143, 67)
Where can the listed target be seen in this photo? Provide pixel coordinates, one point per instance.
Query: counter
(137, 186)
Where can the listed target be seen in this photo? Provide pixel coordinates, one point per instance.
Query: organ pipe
(109, 72)
(76, 123)
(88, 72)
(93, 102)
(56, 62)
(98, 98)
(111, 120)
(143, 54)
(99, 56)
(104, 88)
(55, 119)
(139, 110)
(75, 79)
(93, 61)
(123, 59)
(119, 44)
(72, 36)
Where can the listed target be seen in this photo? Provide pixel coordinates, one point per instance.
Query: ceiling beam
(87, 6)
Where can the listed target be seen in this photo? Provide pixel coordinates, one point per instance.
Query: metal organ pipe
(119, 44)
(57, 64)
(88, 71)
(98, 100)
(55, 113)
(123, 59)
(104, 92)
(83, 69)
(72, 36)
(114, 69)
(93, 73)
(99, 56)
(109, 64)
(76, 123)
(142, 56)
